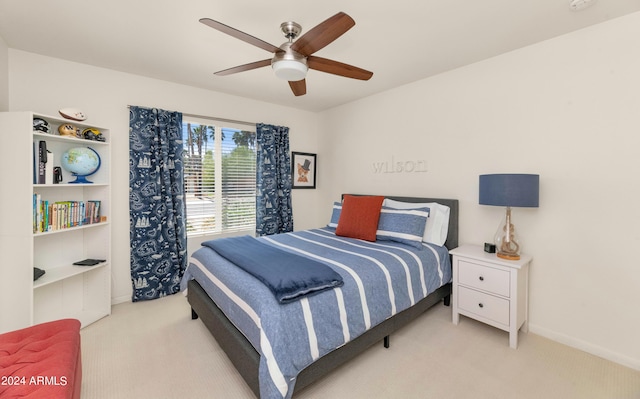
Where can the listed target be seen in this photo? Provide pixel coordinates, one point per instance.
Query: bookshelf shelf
(65, 290)
(68, 229)
(63, 139)
(56, 274)
(68, 185)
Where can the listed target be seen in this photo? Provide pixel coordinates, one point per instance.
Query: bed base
(246, 359)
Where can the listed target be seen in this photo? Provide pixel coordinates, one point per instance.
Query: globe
(81, 162)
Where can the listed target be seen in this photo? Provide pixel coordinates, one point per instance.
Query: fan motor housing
(290, 29)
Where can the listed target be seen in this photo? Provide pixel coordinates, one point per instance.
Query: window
(219, 177)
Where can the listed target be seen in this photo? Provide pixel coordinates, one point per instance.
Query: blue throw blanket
(288, 276)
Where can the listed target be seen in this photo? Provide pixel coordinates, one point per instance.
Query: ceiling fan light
(290, 70)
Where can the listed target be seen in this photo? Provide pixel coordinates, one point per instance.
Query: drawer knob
(481, 278)
(481, 305)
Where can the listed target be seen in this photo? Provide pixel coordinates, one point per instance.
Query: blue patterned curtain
(156, 201)
(273, 180)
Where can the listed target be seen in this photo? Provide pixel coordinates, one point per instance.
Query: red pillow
(359, 217)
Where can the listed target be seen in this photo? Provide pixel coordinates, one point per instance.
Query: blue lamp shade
(517, 190)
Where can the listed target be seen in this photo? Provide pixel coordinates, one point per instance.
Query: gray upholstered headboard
(452, 237)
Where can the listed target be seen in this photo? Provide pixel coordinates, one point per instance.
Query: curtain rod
(215, 118)
(220, 119)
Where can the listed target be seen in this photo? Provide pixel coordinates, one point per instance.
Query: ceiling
(400, 41)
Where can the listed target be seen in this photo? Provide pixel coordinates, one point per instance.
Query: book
(36, 162)
(35, 212)
(95, 211)
(42, 161)
(89, 262)
(48, 171)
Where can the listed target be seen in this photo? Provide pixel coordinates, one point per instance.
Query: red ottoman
(42, 361)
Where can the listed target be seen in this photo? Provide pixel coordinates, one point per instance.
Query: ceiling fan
(292, 59)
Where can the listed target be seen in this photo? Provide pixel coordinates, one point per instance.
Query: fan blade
(299, 88)
(338, 68)
(323, 34)
(245, 67)
(240, 35)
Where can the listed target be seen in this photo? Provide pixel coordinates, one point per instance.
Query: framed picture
(303, 170)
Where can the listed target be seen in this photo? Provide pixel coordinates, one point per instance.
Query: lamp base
(508, 256)
(506, 239)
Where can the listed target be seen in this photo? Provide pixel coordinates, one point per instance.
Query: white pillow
(437, 226)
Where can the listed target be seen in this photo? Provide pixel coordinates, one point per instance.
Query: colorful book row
(50, 216)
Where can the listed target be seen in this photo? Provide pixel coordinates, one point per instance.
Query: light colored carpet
(154, 350)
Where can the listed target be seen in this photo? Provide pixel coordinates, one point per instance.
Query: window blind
(220, 178)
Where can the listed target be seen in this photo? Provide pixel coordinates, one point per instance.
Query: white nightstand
(492, 290)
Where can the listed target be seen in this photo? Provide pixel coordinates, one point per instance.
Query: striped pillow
(335, 215)
(402, 225)
(437, 226)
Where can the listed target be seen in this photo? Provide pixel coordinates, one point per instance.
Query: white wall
(4, 76)
(567, 109)
(45, 85)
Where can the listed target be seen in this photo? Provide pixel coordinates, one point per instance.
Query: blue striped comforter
(380, 279)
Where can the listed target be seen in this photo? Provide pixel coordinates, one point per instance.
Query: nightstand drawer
(484, 278)
(484, 305)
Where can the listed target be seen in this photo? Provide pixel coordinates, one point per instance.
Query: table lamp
(510, 190)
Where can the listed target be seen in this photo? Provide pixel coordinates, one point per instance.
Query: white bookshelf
(65, 290)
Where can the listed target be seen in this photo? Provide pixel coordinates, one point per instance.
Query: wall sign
(400, 166)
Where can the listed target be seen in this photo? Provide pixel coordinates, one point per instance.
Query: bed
(251, 319)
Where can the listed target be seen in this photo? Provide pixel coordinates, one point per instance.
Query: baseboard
(586, 347)
(120, 299)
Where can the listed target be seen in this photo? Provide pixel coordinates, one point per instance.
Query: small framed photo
(303, 170)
